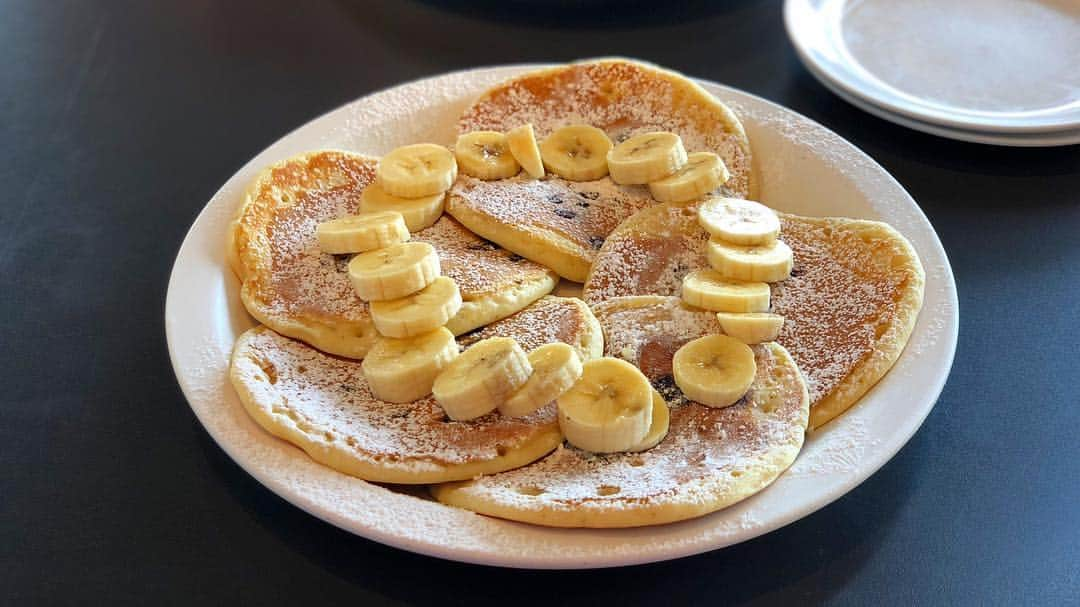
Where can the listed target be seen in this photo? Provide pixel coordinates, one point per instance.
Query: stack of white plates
(1004, 72)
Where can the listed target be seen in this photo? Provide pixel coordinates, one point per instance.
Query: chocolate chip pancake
(323, 405)
(562, 224)
(710, 459)
(299, 291)
(849, 307)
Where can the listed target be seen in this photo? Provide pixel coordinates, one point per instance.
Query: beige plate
(791, 151)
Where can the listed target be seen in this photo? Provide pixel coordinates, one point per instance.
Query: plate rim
(472, 555)
(943, 120)
(1061, 138)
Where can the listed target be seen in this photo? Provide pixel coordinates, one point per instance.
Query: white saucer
(204, 315)
(991, 71)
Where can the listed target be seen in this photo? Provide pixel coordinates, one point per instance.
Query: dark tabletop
(119, 120)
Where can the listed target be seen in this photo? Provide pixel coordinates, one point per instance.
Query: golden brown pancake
(297, 290)
(322, 404)
(710, 459)
(548, 320)
(562, 224)
(849, 307)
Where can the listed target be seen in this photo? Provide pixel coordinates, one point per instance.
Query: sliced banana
(577, 152)
(403, 370)
(423, 311)
(556, 367)
(417, 170)
(710, 290)
(742, 222)
(755, 328)
(658, 427)
(395, 271)
(702, 173)
(646, 157)
(359, 233)
(609, 409)
(715, 370)
(419, 213)
(481, 378)
(522, 142)
(485, 155)
(767, 263)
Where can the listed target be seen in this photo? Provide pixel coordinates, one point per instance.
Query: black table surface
(119, 120)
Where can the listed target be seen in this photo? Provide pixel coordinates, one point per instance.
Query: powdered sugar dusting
(304, 280)
(646, 331)
(649, 255)
(328, 399)
(840, 455)
(548, 320)
(841, 293)
(709, 457)
(582, 212)
(840, 298)
(291, 202)
(623, 99)
(478, 266)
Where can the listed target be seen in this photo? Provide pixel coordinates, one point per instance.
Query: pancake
(562, 224)
(547, 320)
(299, 291)
(710, 459)
(322, 404)
(849, 307)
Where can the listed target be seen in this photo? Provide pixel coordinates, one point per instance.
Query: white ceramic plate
(203, 317)
(991, 71)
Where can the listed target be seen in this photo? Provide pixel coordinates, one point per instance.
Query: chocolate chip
(596, 242)
(589, 195)
(666, 387)
(565, 214)
(483, 245)
(555, 199)
(583, 204)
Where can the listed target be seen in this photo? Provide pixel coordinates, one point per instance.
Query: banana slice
(395, 271)
(403, 370)
(710, 290)
(485, 155)
(755, 328)
(742, 222)
(423, 311)
(609, 409)
(522, 142)
(360, 233)
(767, 263)
(419, 213)
(556, 367)
(658, 428)
(646, 157)
(715, 370)
(703, 173)
(417, 170)
(481, 378)
(577, 152)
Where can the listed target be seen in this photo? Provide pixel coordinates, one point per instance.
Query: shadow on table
(807, 561)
